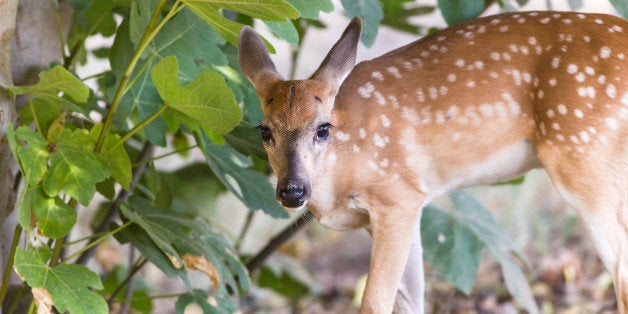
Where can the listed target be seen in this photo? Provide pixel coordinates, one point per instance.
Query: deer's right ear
(256, 63)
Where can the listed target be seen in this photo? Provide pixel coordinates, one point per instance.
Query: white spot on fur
(584, 136)
(578, 113)
(377, 75)
(366, 90)
(555, 62)
(379, 98)
(459, 63)
(605, 52)
(611, 91)
(552, 82)
(378, 140)
(550, 113)
(385, 121)
(394, 71)
(572, 68)
(451, 77)
(362, 133)
(562, 109)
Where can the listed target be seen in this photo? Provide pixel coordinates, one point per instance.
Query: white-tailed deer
(477, 103)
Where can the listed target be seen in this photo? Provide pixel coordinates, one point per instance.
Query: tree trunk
(29, 41)
(8, 13)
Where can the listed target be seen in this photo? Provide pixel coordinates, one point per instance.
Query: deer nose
(292, 195)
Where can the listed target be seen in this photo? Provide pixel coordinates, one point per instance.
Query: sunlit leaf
(117, 157)
(209, 11)
(74, 167)
(69, 285)
(54, 217)
(207, 99)
(55, 81)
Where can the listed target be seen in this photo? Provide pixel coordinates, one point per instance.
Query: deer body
(477, 103)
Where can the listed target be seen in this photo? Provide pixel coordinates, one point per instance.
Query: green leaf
(197, 296)
(178, 37)
(310, 9)
(398, 12)
(209, 11)
(80, 4)
(55, 81)
(456, 11)
(116, 156)
(246, 139)
(288, 277)
(371, 13)
(207, 99)
(178, 236)
(450, 247)
(501, 246)
(54, 217)
(284, 30)
(33, 158)
(74, 167)
(68, 285)
(621, 6)
(251, 187)
(139, 17)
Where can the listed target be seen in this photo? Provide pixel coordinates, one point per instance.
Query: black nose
(292, 195)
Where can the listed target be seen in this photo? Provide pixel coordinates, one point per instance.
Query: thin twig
(7, 270)
(244, 230)
(126, 280)
(286, 234)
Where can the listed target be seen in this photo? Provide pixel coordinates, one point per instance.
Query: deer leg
(410, 295)
(600, 197)
(392, 229)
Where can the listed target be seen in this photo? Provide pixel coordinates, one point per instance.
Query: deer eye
(267, 135)
(322, 132)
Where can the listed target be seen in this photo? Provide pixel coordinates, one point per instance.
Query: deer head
(297, 113)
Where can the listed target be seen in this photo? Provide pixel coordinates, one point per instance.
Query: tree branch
(286, 234)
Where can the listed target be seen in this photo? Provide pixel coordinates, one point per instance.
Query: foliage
(174, 81)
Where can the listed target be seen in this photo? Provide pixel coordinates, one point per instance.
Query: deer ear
(256, 63)
(341, 58)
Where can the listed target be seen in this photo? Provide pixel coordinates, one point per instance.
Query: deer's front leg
(411, 292)
(392, 229)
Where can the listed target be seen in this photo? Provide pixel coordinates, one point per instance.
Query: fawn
(480, 102)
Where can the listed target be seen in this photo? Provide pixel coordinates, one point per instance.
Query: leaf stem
(55, 5)
(96, 242)
(150, 33)
(138, 265)
(143, 162)
(56, 252)
(7, 270)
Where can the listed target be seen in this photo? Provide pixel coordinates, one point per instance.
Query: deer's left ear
(256, 63)
(341, 58)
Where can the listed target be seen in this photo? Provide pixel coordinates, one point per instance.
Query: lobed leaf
(311, 9)
(209, 11)
(54, 217)
(55, 81)
(207, 99)
(74, 167)
(251, 187)
(69, 285)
